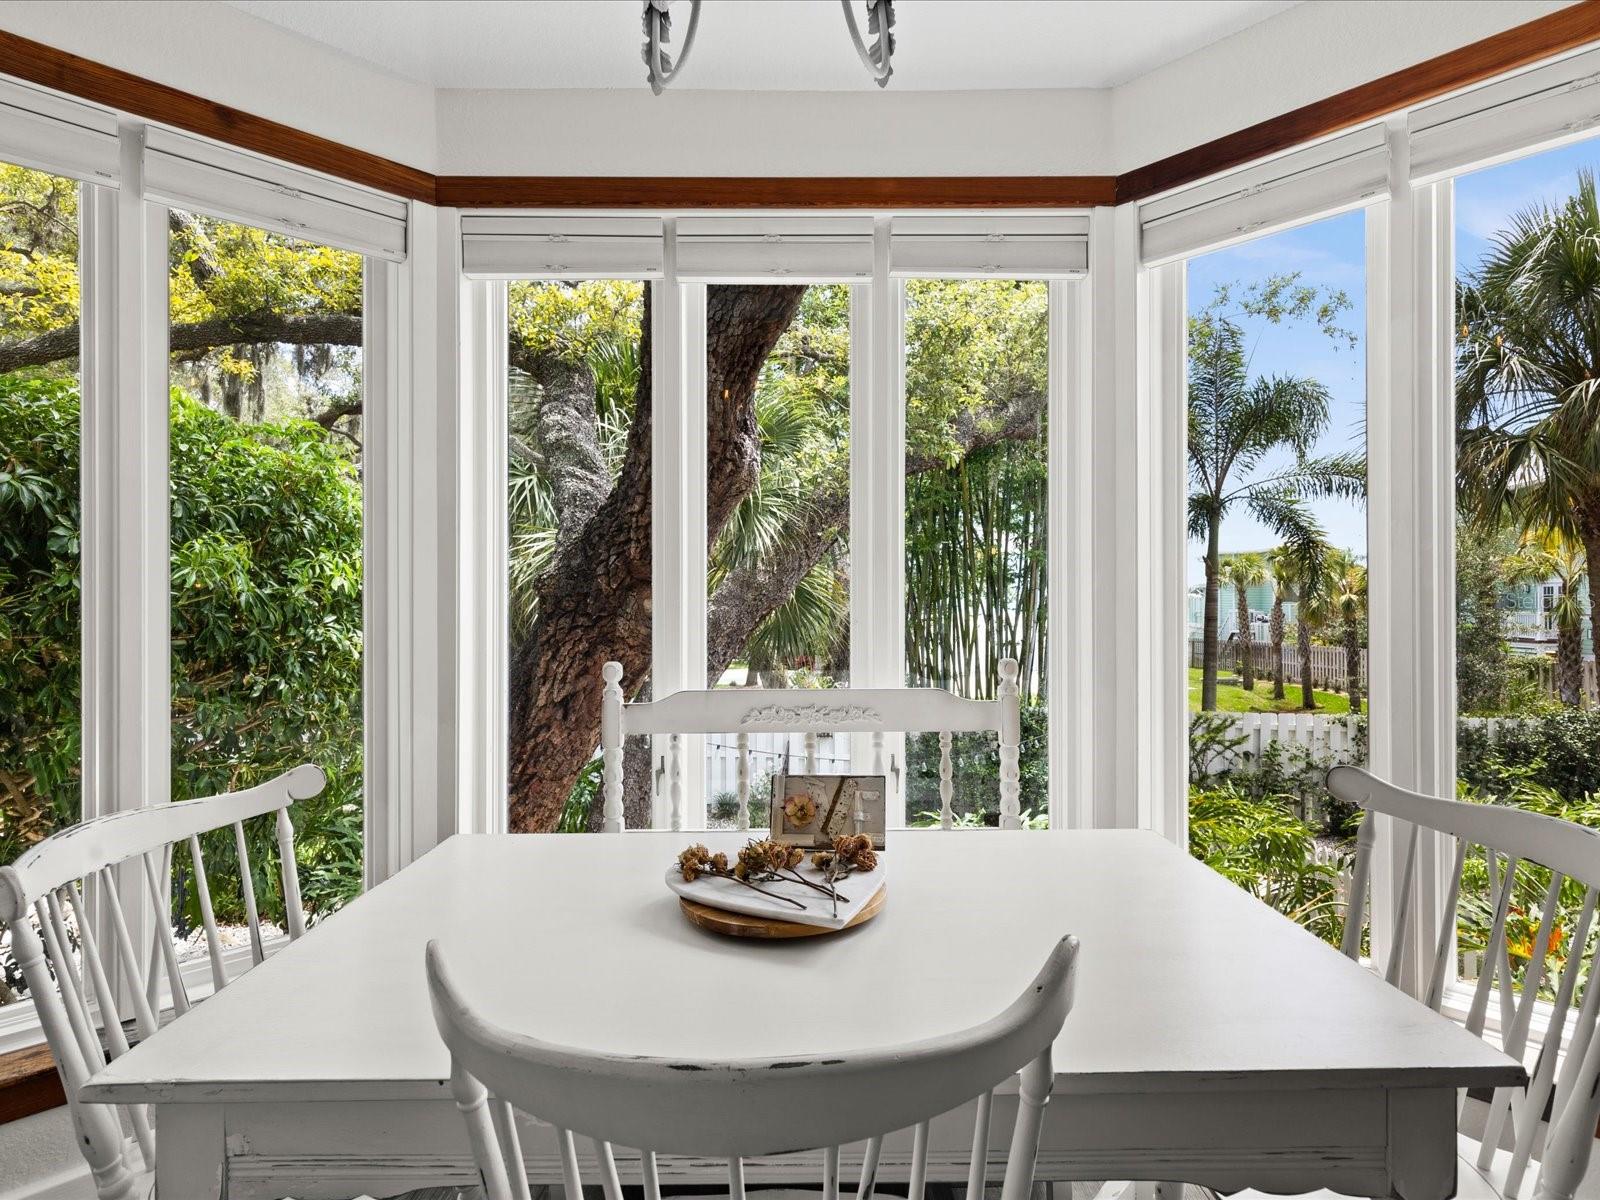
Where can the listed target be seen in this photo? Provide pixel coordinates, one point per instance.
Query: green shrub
(1259, 843)
(266, 633)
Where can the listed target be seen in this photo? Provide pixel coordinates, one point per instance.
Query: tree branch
(255, 328)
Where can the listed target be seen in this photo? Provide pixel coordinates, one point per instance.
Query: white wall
(218, 52)
(1248, 77)
(633, 132)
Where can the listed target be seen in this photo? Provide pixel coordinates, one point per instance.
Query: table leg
(191, 1155)
(1422, 1143)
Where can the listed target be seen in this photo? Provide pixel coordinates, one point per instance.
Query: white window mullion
(1411, 532)
(678, 520)
(1161, 493)
(877, 501)
(1070, 533)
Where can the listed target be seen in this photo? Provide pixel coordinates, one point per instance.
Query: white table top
(1184, 980)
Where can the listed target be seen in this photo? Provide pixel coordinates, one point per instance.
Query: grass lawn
(1236, 699)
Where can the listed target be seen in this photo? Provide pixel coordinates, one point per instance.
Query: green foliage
(38, 253)
(975, 769)
(1558, 752)
(266, 633)
(974, 349)
(40, 651)
(1258, 843)
(574, 320)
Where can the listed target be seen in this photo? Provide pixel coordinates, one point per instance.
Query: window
(778, 582)
(1528, 725)
(579, 550)
(40, 659)
(976, 528)
(265, 463)
(1277, 575)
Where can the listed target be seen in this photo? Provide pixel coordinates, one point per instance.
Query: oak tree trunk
(593, 602)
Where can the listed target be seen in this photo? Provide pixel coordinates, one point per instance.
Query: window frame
(877, 505)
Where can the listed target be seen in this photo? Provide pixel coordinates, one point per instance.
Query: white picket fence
(1327, 663)
(1326, 739)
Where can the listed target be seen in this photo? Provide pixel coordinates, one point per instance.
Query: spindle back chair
(809, 712)
(79, 1006)
(1510, 840)
(743, 1109)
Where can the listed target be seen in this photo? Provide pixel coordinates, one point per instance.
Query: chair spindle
(919, 1161)
(291, 875)
(743, 777)
(869, 1169)
(160, 902)
(978, 1167)
(946, 781)
(208, 917)
(247, 889)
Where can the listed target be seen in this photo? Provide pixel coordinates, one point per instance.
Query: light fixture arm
(658, 31)
(878, 59)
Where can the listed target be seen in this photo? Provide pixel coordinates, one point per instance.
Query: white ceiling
(767, 45)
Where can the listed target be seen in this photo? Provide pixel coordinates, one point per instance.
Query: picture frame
(811, 810)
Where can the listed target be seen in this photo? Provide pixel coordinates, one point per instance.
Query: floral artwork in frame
(812, 810)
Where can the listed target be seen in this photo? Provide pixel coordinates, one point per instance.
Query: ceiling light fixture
(661, 70)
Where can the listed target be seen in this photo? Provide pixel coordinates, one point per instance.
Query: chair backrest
(1514, 846)
(746, 1108)
(809, 712)
(64, 881)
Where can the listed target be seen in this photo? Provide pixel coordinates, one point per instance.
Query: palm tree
(1528, 376)
(1546, 554)
(1286, 572)
(1243, 571)
(1235, 425)
(1345, 586)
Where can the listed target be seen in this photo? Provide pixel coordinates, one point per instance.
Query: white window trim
(679, 498)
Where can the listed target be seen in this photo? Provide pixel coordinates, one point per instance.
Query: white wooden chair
(741, 1109)
(72, 872)
(1509, 840)
(744, 711)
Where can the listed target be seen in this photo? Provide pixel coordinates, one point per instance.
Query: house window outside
(1277, 562)
(265, 464)
(40, 605)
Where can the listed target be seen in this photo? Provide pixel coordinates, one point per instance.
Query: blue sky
(1330, 254)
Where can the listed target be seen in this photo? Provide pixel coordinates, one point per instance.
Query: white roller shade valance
(561, 247)
(51, 133)
(1511, 116)
(1315, 181)
(754, 249)
(187, 172)
(1045, 247)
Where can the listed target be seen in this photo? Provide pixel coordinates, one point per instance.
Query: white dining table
(1212, 1041)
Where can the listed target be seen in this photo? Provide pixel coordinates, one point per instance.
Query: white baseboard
(71, 1184)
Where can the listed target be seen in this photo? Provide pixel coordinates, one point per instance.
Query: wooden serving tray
(732, 924)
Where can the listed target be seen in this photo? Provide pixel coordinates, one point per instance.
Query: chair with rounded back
(810, 712)
(1548, 855)
(54, 891)
(748, 1108)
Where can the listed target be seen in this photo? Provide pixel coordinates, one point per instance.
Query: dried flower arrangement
(766, 861)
